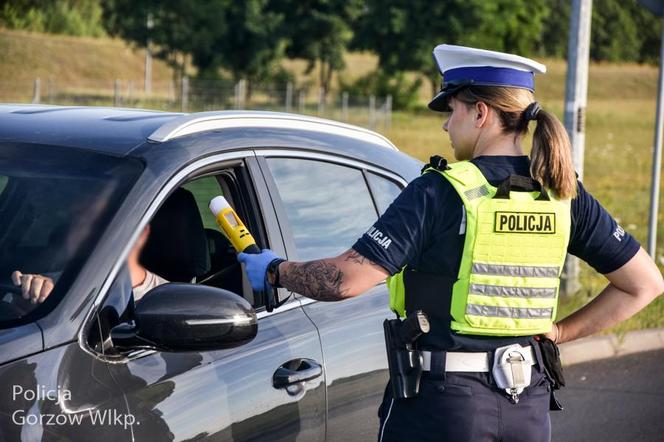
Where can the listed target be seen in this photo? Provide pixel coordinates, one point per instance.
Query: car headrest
(177, 248)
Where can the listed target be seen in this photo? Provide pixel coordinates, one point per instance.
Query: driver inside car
(36, 288)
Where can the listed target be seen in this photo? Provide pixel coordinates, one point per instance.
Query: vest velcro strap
(511, 292)
(525, 184)
(508, 312)
(515, 270)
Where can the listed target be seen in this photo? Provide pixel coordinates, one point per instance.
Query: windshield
(54, 204)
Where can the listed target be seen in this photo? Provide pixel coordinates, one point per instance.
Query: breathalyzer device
(232, 226)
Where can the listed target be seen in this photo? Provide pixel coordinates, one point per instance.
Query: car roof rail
(205, 121)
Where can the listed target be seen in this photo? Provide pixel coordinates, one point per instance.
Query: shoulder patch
(381, 239)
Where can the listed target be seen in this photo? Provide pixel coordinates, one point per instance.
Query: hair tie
(531, 111)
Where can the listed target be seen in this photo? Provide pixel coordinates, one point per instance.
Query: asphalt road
(620, 399)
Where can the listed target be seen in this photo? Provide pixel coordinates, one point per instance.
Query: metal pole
(372, 112)
(36, 95)
(289, 96)
(388, 113)
(321, 101)
(116, 93)
(657, 156)
(242, 93)
(300, 101)
(148, 58)
(130, 90)
(344, 106)
(239, 94)
(184, 97)
(576, 97)
(576, 88)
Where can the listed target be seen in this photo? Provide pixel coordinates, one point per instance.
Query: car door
(271, 388)
(327, 204)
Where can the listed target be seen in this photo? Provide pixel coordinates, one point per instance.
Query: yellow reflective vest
(514, 251)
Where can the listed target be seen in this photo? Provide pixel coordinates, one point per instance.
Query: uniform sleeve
(596, 237)
(402, 232)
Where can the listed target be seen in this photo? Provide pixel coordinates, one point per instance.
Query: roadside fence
(194, 95)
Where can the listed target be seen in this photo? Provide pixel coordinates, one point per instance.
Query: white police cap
(462, 66)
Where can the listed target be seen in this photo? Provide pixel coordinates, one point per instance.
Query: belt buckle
(512, 370)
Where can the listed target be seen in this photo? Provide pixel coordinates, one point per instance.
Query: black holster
(553, 368)
(404, 360)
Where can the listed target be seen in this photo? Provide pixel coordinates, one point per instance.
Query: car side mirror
(188, 317)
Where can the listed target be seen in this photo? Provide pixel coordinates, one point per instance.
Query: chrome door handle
(296, 371)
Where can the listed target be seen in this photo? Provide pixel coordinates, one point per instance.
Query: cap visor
(440, 101)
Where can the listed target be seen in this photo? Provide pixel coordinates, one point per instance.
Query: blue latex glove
(256, 268)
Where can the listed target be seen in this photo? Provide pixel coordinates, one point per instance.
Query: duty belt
(470, 362)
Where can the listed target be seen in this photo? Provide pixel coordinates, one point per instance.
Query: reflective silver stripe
(508, 270)
(509, 312)
(476, 192)
(512, 292)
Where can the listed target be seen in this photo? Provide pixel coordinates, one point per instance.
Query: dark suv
(200, 358)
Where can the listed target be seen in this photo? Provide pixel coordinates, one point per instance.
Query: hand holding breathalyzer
(255, 260)
(255, 265)
(232, 227)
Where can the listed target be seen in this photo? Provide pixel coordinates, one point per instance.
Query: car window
(54, 205)
(328, 205)
(204, 189)
(185, 245)
(384, 191)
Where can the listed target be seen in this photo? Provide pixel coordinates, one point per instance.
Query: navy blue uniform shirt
(424, 225)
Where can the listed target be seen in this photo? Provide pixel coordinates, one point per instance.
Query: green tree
(318, 31)
(650, 34)
(403, 34)
(71, 17)
(211, 34)
(555, 29)
(621, 30)
(251, 45)
(171, 33)
(614, 35)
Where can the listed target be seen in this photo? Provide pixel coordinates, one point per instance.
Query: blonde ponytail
(551, 155)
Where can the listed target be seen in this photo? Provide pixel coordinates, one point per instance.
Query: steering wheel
(9, 287)
(16, 306)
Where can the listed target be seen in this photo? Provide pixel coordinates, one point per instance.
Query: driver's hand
(36, 288)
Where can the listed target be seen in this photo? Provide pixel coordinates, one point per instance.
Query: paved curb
(609, 346)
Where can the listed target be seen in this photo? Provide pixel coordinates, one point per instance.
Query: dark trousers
(467, 407)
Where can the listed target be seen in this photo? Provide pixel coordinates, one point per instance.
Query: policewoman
(478, 246)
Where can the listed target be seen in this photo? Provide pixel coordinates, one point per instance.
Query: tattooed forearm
(331, 279)
(320, 280)
(352, 256)
(355, 257)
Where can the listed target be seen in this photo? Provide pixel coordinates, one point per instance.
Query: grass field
(619, 126)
